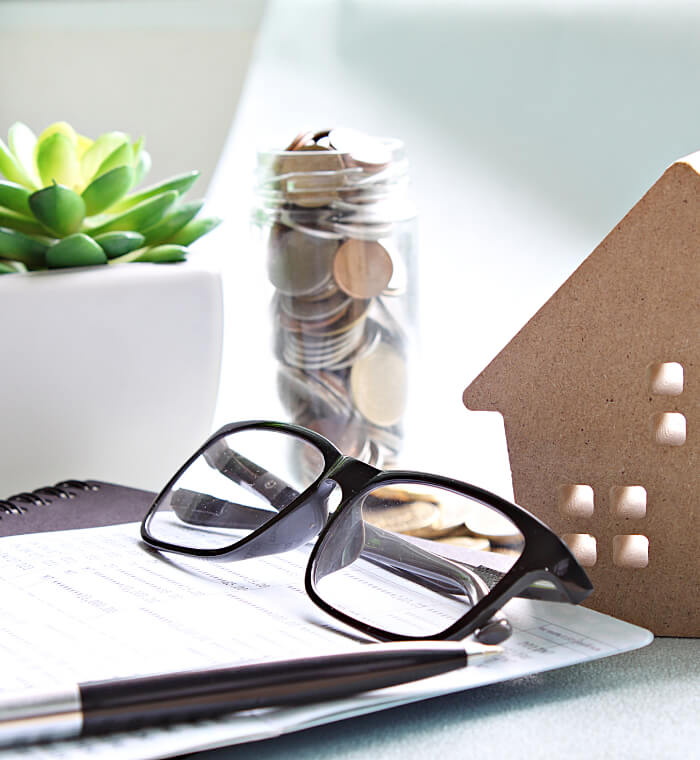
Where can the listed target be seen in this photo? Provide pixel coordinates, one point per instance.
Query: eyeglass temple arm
(198, 508)
(204, 509)
(444, 573)
(250, 475)
(394, 553)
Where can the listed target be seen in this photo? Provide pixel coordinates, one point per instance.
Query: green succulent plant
(69, 201)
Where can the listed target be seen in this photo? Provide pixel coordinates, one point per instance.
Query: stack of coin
(339, 243)
(441, 517)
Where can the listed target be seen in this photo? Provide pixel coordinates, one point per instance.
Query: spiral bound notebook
(72, 504)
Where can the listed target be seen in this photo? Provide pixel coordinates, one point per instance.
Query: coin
(344, 355)
(401, 518)
(488, 523)
(305, 351)
(507, 551)
(363, 230)
(316, 227)
(361, 149)
(320, 135)
(310, 327)
(387, 438)
(356, 313)
(324, 291)
(333, 382)
(298, 263)
(401, 495)
(469, 542)
(378, 385)
(301, 139)
(452, 514)
(362, 268)
(305, 310)
(398, 283)
(346, 433)
(310, 175)
(303, 391)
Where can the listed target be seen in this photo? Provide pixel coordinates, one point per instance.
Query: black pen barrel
(162, 699)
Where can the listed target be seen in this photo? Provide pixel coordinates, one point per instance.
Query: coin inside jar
(300, 391)
(346, 433)
(362, 268)
(298, 263)
(378, 385)
(361, 149)
(310, 175)
(356, 313)
(302, 138)
(305, 310)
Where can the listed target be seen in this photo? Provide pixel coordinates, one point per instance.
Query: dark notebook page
(94, 505)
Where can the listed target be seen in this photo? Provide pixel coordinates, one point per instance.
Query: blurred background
(532, 128)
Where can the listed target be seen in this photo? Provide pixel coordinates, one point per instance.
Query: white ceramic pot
(106, 372)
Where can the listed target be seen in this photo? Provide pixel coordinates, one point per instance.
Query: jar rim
(393, 143)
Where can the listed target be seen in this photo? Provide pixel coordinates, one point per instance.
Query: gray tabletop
(643, 704)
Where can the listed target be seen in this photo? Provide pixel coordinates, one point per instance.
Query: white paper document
(94, 604)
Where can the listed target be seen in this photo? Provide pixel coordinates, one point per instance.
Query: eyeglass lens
(383, 563)
(235, 486)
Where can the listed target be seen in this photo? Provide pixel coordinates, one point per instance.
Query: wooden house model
(599, 394)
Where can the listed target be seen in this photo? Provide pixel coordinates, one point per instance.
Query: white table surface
(642, 705)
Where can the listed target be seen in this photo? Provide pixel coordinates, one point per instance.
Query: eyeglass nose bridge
(351, 474)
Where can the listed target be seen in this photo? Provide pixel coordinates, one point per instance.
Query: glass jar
(338, 236)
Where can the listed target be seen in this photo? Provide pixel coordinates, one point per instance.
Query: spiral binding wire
(40, 497)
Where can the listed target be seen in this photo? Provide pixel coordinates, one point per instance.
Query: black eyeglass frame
(545, 557)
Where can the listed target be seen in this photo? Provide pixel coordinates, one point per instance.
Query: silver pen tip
(476, 651)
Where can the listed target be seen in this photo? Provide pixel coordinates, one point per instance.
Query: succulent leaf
(119, 243)
(96, 154)
(77, 250)
(57, 161)
(57, 180)
(182, 183)
(104, 191)
(11, 168)
(143, 166)
(14, 221)
(121, 156)
(163, 254)
(140, 217)
(60, 128)
(19, 247)
(194, 230)
(22, 142)
(58, 208)
(6, 267)
(15, 197)
(84, 143)
(175, 221)
(137, 147)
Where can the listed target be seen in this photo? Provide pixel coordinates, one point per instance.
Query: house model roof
(599, 394)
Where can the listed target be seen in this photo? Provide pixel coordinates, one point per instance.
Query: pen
(97, 707)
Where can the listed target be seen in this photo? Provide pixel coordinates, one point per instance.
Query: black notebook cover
(72, 504)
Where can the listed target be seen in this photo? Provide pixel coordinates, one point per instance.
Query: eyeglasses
(380, 562)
